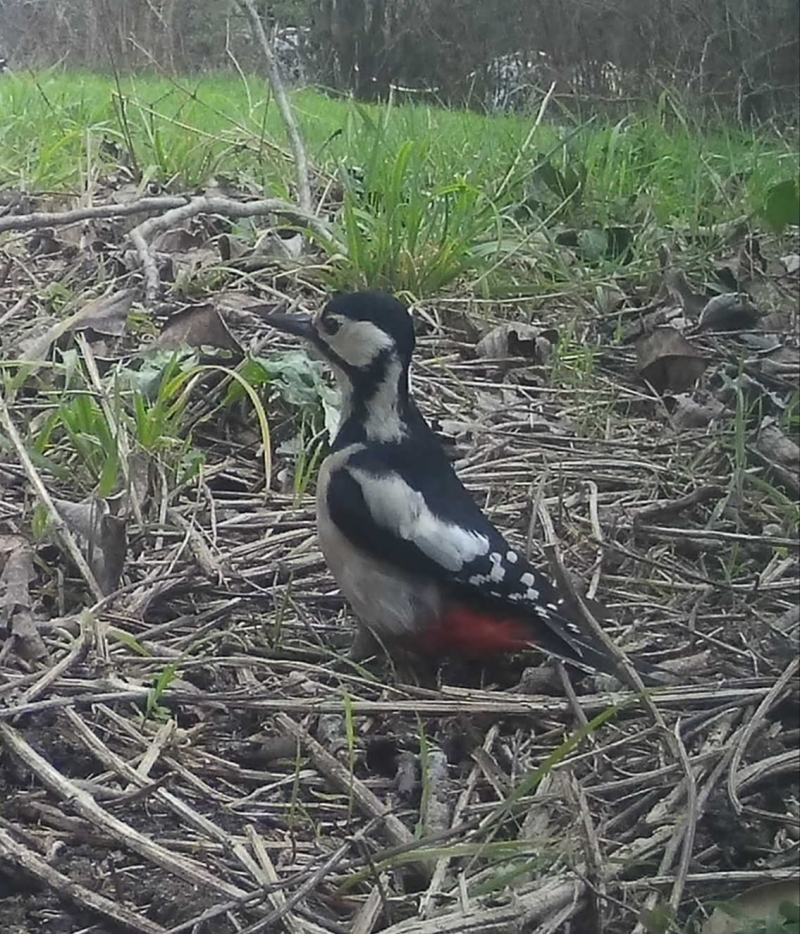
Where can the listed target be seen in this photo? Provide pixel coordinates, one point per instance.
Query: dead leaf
(107, 311)
(191, 261)
(178, 240)
(746, 265)
(608, 298)
(461, 324)
(778, 454)
(104, 535)
(760, 343)
(792, 263)
(682, 293)
(137, 489)
(282, 243)
(231, 248)
(198, 326)
(45, 243)
(672, 315)
(27, 340)
(774, 444)
(234, 306)
(731, 311)
(107, 314)
(694, 410)
(518, 340)
(668, 361)
(16, 615)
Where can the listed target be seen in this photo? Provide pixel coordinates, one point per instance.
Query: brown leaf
(16, 560)
(231, 248)
(668, 361)
(791, 263)
(608, 298)
(45, 243)
(774, 444)
(282, 243)
(518, 340)
(694, 410)
(178, 240)
(682, 293)
(107, 314)
(198, 326)
(746, 265)
(234, 306)
(672, 315)
(731, 311)
(104, 535)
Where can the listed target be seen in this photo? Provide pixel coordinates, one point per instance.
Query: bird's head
(368, 339)
(357, 332)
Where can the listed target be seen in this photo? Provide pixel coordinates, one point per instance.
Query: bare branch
(284, 108)
(202, 205)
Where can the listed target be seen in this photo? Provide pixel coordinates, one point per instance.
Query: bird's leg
(408, 667)
(365, 645)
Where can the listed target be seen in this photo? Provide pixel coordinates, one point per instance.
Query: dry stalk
(284, 107)
(22, 856)
(63, 532)
(91, 811)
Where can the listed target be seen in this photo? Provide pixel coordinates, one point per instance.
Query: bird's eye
(330, 325)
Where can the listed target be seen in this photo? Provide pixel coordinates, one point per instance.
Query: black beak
(299, 325)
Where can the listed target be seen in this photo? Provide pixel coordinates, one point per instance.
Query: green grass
(431, 196)
(51, 125)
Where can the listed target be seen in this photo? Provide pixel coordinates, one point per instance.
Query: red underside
(464, 631)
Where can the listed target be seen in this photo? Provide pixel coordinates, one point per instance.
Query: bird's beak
(298, 325)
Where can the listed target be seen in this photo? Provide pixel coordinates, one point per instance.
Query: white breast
(390, 601)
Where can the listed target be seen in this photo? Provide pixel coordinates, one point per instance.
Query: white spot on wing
(526, 579)
(401, 510)
(511, 557)
(498, 572)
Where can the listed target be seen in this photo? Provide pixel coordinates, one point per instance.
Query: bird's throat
(375, 406)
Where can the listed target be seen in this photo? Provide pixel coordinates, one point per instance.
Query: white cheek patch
(403, 512)
(358, 343)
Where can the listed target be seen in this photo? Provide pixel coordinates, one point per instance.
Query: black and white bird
(420, 564)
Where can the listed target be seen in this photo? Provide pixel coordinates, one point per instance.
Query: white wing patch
(395, 506)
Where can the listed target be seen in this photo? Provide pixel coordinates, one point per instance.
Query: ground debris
(194, 749)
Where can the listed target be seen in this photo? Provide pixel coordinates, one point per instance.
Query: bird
(421, 565)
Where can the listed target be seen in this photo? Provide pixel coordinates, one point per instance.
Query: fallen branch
(40, 219)
(227, 207)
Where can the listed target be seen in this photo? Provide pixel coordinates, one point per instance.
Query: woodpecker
(420, 564)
